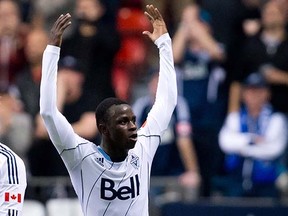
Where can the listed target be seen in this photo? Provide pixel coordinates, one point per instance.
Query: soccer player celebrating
(112, 178)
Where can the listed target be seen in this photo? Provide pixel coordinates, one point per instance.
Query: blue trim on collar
(104, 153)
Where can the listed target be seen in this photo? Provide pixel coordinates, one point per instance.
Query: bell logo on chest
(108, 192)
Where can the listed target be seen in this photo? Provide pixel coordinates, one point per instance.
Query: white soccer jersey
(102, 186)
(12, 182)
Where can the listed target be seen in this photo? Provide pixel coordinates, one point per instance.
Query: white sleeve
(166, 95)
(60, 131)
(231, 139)
(274, 141)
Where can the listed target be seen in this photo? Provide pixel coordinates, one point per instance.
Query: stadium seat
(132, 21)
(33, 207)
(63, 207)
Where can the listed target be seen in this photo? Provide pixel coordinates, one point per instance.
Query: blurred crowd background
(228, 134)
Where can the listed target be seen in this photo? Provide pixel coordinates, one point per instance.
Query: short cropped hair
(101, 112)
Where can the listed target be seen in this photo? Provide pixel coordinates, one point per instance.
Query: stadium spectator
(15, 125)
(266, 52)
(12, 36)
(227, 26)
(199, 58)
(254, 141)
(28, 81)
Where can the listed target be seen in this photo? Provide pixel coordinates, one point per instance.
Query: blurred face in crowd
(9, 17)
(89, 10)
(73, 82)
(190, 13)
(35, 45)
(9, 104)
(273, 15)
(255, 97)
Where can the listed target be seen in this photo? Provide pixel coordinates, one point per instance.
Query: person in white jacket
(253, 139)
(113, 177)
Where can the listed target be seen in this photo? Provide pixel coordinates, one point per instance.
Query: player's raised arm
(166, 96)
(60, 131)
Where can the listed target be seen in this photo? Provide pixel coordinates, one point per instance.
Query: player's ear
(103, 129)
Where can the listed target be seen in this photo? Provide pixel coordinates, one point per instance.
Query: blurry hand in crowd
(190, 179)
(190, 23)
(257, 138)
(274, 75)
(196, 32)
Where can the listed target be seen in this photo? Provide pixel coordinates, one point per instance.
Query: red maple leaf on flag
(13, 197)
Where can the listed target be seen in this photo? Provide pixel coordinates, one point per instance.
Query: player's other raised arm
(166, 96)
(60, 131)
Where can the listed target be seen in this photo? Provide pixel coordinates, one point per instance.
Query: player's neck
(115, 155)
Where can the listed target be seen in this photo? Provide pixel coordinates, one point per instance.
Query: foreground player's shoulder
(12, 165)
(7, 153)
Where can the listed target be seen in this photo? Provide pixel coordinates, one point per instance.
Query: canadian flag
(11, 197)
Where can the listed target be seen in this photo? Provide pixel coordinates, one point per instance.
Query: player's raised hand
(159, 26)
(58, 29)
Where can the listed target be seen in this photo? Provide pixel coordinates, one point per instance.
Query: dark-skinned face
(122, 130)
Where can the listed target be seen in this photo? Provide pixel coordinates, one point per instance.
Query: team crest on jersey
(135, 161)
(100, 161)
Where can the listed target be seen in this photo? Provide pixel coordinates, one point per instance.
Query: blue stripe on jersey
(104, 153)
(11, 165)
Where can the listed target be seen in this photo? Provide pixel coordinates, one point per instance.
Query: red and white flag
(11, 197)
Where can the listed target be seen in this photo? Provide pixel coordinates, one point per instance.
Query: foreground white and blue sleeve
(59, 129)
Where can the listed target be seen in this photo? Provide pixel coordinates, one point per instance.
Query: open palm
(159, 26)
(58, 29)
